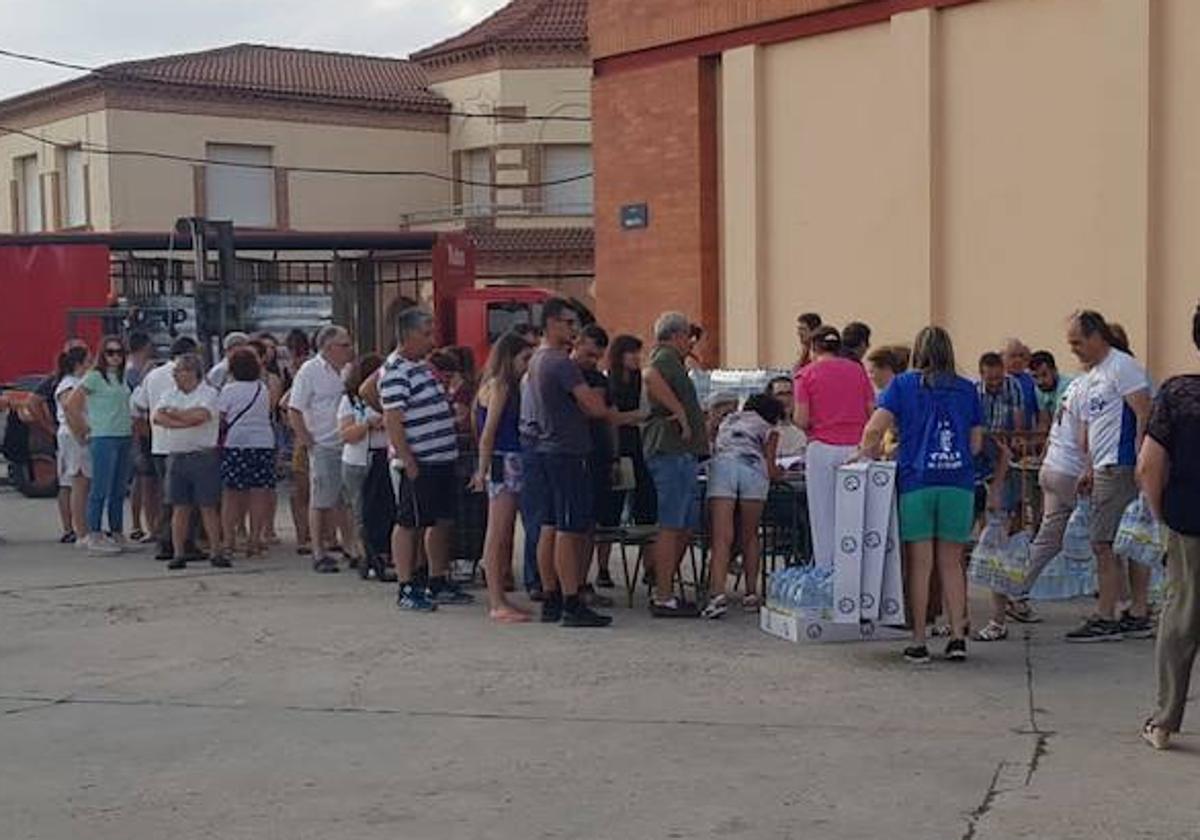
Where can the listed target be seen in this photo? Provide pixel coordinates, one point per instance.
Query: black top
(627, 396)
(1175, 425)
(602, 442)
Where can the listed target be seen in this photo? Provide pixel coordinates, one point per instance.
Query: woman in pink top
(834, 400)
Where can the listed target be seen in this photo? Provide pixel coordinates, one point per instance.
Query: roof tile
(561, 23)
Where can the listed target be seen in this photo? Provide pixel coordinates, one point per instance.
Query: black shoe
(68, 538)
(584, 616)
(956, 650)
(673, 607)
(536, 594)
(1097, 629)
(552, 608)
(1136, 628)
(385, 573)
(165, 554)
(175, 564)
(220, 561)
(916, 654)
(326, 566)
(604, 579)
(449, 593)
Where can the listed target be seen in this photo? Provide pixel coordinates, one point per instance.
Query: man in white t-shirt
(188, 419)
(312, 410)
(1116, 395)
(144, 401)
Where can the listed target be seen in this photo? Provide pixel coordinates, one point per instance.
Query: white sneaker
(102, 544)
(120, 542)
(84, 542)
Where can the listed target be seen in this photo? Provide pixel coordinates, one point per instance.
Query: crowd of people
(575, 433)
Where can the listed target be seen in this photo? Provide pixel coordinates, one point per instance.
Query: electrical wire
(118, 74)
(99, 149)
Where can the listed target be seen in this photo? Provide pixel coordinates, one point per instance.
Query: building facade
(990, 165)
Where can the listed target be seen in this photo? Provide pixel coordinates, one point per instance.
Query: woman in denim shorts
(497, 416)
(739, 478)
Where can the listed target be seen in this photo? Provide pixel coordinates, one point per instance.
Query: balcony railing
(469, 212)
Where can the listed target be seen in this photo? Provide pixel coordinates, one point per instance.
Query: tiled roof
(278, 72)
(536, 23)
(514, 242)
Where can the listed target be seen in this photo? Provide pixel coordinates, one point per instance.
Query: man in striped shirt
(420, 427)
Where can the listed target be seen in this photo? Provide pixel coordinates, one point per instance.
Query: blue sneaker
(414, 600)
(449, 593)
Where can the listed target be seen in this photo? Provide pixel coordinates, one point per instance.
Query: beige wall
(151, 194)
(991, 166)
(92, 128)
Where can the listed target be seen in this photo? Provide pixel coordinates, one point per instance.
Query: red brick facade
(655, 141)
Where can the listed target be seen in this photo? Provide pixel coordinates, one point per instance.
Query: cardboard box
(881, 491)
(850, 502)
(802, 627)
(891, 602)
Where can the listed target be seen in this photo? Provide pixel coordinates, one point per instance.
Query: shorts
(194, 478)
(143, 459)
(74, 459)
(512, 478)
(1113, 490)
(559, 488)
(248, 469)
(937, 513)
(430, 499)
(734, 477)
(606, 505)
(676, 482)
(324, 477)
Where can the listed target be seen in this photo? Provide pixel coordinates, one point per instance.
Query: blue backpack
(944, 454)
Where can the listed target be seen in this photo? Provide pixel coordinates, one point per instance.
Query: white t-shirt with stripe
(412, 388)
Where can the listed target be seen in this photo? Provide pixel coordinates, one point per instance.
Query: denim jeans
(111, 465)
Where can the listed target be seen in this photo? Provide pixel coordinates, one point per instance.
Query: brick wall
(655, 142)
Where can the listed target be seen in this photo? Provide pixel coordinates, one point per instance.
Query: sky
(91, 32)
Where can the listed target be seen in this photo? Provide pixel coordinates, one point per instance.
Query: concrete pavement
(269, 702)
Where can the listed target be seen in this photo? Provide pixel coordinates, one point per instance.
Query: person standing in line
(674, 441)
(312, 409)
(940, 424)
(363, 435)
(267, 348)
(739, 479)
(1051, 385)
(531, 517)
(74, 459)
(886, 363)
(298, 352)
(1063, 464)
(145, 400)
(98, 413)
(1169, 474)
(806, 325)
(1117, 400)
(420, 427)
(189, 417)
(1016, 359)
(232, 342)
(248, 453)
(1001, 395)
(834, 400)
(556, 403)
(144, 494)
(856, 341)
(625, 386)
(792, 441)
(497, 413)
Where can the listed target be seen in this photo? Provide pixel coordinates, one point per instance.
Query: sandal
(993, 632)
(1020, 611)
(751, 603)
(509, 615)
(1156, 736)
(137, 535)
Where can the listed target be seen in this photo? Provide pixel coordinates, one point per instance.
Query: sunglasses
(113, 351)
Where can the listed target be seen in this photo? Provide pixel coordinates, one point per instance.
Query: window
(477, 167)
(559, 162)
(243, 194)
(76, 188)
(29, 197)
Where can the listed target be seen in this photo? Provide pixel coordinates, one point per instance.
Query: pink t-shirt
(839, 397)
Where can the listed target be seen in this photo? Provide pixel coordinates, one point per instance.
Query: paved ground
(269, 702)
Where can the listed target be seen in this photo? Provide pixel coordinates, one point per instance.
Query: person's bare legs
(64, 509)
(438, 540)
(1139, 589)
(233, 511)
(181, 520)
(668, 551)
(752, 512)
(81, 486)
(720, 512)
(211, 518)
(300, 511)
(547, 538)
(568, 557)
(1108, 572)
(920, 569)
(954, 586)
(318, 531)
(152, 502)
(136, 492)
(260, 511)
(497, 555)
(404, 552)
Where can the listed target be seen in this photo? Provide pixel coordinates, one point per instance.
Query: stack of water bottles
(802, 590)
(1071, 574)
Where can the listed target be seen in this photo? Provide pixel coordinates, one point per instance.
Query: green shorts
(937, 513)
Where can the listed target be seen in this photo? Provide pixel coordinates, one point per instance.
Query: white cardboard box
(881, 491)
(803, 627)
(891, 603)
(850, 501)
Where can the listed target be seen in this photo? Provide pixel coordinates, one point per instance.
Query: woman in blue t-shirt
(938, 419)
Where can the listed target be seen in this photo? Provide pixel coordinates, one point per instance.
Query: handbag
(225, 426)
